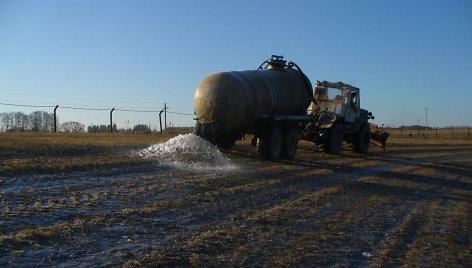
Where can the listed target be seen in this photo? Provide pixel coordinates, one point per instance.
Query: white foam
(188, 152)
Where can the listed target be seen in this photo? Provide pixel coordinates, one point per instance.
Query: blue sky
(404, 55)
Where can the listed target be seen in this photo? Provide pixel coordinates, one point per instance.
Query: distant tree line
(40, 121)
(421, 127)
(414, 127)
(35, 121)
(106, 128)
(101, 128)
(142, 127)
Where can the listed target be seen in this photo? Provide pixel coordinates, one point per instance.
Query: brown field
(88, 200)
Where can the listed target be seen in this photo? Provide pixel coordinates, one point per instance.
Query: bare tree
(36, 119)
(41, 121)
(48, 122)
(72, 126)
(25, 123)
(7, 121)
(20, 122)
(2, 119)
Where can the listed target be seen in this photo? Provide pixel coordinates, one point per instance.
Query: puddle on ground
(188, 152)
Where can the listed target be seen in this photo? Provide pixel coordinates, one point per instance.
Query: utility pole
(165, 115)
(418, 127)
(426, 109)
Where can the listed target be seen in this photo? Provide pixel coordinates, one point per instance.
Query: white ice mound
(188, 152)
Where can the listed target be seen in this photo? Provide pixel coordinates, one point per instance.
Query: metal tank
(228, 104)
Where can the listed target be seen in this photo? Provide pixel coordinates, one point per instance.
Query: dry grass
(47, 142)
(59, 152)
(446, 133)
(406, 206)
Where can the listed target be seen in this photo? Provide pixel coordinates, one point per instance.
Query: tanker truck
(277, 104)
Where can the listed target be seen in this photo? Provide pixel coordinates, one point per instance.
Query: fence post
(55, 119)
(436, 132)
(160, 119)
(111, 120)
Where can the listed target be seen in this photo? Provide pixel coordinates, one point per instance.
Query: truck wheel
(333, 140)
(290, 143)
(362, 140)
(226, 144)
(269, 146)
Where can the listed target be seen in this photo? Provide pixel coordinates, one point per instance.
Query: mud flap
(377, 136)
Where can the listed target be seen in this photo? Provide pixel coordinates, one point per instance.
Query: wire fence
(92, 109)
(432, 133)
(164, 110)
(418, 131)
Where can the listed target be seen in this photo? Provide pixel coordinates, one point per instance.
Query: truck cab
(337, 117)
(337, 98)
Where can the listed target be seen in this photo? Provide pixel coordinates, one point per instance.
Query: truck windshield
(334, 94)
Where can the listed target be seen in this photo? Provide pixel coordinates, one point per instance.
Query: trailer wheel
(269, 145)
(333, 139)
(362, 140)
(290, 143)
(197, 129)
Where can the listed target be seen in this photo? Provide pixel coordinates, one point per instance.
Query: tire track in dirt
(228, 232)
(399, 240)
(300, 187)
(252, 217)
(65, 202)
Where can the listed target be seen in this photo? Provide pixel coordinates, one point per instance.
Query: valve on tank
(275, 62)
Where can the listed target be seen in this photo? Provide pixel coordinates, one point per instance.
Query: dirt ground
(409, 205)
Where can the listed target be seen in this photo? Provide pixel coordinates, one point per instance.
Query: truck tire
(290, 143)
(226, 144)
(333, 139)
(362, 140)
(269, 145)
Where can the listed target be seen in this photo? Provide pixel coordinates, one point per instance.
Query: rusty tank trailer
(228, 104)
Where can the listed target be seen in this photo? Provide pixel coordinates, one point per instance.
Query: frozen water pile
(188, 152)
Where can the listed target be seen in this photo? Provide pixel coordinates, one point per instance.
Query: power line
(81, 108)
(179, 113)
(89, 109)
(137, 111)
(26, 105)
